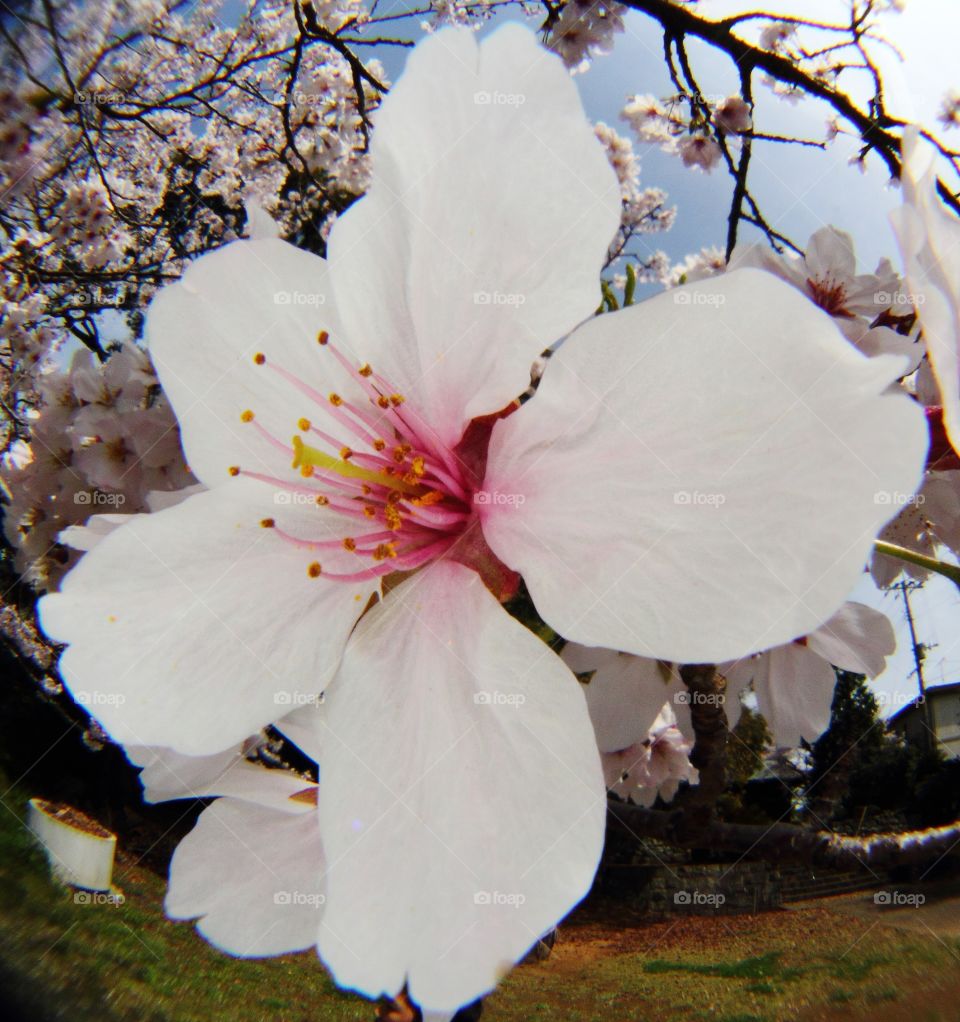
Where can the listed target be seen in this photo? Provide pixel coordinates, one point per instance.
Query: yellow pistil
(306, 458)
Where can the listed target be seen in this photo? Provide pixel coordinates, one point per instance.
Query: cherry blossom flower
(733, 115)
(585, 28)
(355, 423)
(794, 682)
(643, 752)
(929, 238)
(699, 151)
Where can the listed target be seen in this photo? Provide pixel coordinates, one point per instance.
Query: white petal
(929, 238)
(246, 298)
(481, 238)
(192, 628)
(170, 775)
(462, 803)
(625, 695)
(857, 638)
(254, 877)
(794, 689)
(701, 475)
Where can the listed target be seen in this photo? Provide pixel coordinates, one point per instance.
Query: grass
(128, 963)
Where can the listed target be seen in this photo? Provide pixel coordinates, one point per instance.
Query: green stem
(950, 571)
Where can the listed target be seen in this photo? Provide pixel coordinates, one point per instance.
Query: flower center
(410, 495)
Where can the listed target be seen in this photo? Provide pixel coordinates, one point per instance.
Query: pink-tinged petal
(248, 298)
(487, 221)
(794, 689)
(461, 802)
(194, 627)
(857, 638)
(702, 475)
(625, 693)
(254, 877)
(929, 238)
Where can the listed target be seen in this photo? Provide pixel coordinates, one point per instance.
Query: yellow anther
(397, 399)
(379, 445)
(365, 369)
(336, 400)
(364, 489)
(322, 500)
(303, 424)
(431, 497)
(246, 416)
(234, 470)
(370, 511)
(323, 337)
(306, 471)
(417, 466)
(383, 402)
(346, 453)
(267, 523)
(392, 516)
(259, 358)
(399, 454)
(314, 570)
(383, 551)
(350, 544)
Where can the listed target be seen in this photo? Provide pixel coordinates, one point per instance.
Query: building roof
(932, 690)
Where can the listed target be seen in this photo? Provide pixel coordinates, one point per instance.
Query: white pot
(79, 849)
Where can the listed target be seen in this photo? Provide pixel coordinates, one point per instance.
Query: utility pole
(919, 651)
